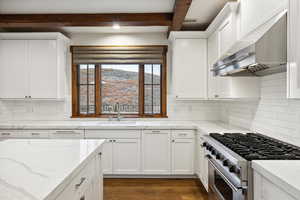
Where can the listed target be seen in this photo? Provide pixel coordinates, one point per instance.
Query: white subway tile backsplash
(273, 115)
(20, 110)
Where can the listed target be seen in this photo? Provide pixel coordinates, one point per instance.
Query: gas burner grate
(254, 146)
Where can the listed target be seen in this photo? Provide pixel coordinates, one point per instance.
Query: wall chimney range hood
(267, 56)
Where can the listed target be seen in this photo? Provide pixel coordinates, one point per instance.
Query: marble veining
(34, 169)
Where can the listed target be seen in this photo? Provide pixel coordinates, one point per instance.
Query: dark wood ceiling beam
(180, 10)
(58, 20)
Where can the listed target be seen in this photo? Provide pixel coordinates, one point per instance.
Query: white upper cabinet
(228, 34)
(189, 64)
(32, 65)
(293, 67)
(254, 13)
(13, 69)
(42, 56)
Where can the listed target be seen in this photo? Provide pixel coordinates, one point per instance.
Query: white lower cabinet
(121, 152)
(126, 156)
(107, 157)
(183, 148)
(156, 148)
(86, 184)
(264, 189)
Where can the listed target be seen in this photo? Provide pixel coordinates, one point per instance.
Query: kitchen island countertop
(40, 169)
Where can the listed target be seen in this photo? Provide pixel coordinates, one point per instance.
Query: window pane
(83, 74)
(148, 99)
(91, 99)
(156, 99)
(148, 74)
(156, 74)
(83, 99)
(120, 85)
(91, 71)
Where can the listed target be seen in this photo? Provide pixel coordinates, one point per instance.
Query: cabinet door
(183, 156)
(43, 68)
(107, 157)
(13, 69)
(98, 182)
(156, 147)
(294, 50)
(213, 56)
(190, 60)
(266, 190)
(257, 12)
(126, 156)
(227, 35)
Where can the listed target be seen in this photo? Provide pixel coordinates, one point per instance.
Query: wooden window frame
(141, 114)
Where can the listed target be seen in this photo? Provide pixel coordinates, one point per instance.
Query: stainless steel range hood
(267, 56)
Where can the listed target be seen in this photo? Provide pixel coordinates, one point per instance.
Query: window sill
(123, 116)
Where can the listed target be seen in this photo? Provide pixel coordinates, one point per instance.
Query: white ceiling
(86, 6)
(204, 11)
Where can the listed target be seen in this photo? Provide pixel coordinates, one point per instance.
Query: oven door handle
(236, 189)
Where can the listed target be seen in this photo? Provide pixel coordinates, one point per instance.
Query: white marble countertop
(27, 174)
(205, 126)
(283, 173)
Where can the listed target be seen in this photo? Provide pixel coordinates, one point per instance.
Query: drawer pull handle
(80, 183)
(182, 134)
(67, 132)
(155, 131)
(5, 134)
(35, 134)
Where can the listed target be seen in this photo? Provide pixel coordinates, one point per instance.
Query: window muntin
(152, 88)
(86, 87)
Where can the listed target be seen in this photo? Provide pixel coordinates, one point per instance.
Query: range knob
(226, 163)
(234, 169)
(207, 146)
(214, 152)
(210, 148)
(219, 156)
(204, 144)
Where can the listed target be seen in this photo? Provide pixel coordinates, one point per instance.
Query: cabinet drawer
(72, 134)
(183, 134)
(36, 133)
(12, 134)
(105, 134)
(157, 131)
(79, 183)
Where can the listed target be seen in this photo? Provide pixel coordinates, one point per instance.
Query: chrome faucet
(117, 110)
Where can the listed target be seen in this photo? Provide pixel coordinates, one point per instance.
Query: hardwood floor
(153, 189)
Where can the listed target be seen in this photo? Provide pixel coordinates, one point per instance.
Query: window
(109, 80)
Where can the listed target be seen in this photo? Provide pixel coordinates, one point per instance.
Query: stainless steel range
(230, 156)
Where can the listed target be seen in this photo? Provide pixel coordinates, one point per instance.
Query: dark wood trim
(75, 102)
(165, 47)
(98, 89)
(141, 90)
(125, 116)
(58, 20)
(180, 10)
(75, 95)
(164, 87)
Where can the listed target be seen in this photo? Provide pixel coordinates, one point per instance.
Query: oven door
(220, 187)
